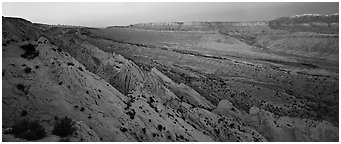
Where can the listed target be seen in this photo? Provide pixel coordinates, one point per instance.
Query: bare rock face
(226, 108)
(280, 128)
(129, 76)
(184, 92)
(56, 85)
(290, 128)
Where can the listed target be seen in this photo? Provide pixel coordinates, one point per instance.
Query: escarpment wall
(319, 24)
(238, 27)
(303, 43)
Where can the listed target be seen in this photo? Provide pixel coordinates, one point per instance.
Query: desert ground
(181, 81)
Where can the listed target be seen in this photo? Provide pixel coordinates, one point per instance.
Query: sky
(110, 14)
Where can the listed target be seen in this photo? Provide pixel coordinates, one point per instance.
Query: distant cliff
(239, 27)
(306, 22)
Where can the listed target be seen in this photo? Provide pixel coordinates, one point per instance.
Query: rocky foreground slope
(110, 98)
(60, 86)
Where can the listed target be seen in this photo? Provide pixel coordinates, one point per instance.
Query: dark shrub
(131, 113)
(70, 64)
(64, 127)
(123, 129)
(28, 130)
(231, 125)
(30, 51)
(144, 130)
(151, 100)
(80, 68)
(20, 87)
(181, 137)
(159, 127)
(23, 113)
(128, 105)
(27, 70)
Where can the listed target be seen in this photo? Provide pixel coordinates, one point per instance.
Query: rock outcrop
(284, 128)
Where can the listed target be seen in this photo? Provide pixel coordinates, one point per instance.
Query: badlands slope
(132, 84)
